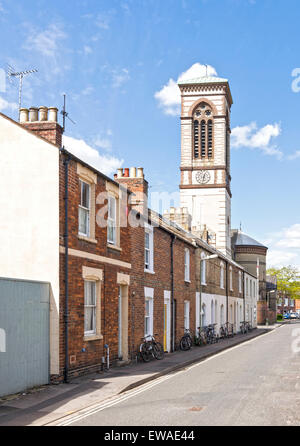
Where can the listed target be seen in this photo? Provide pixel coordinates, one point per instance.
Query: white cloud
(87, 49)
(87, 90)
(91, 156)
(168, 96)
(294, 156)
(45, 42)
(278, 258)
(103, 140)
(103, 20)
(284, 247)
(254, 138)
(5, 105)
(49, 45)
(120, 77)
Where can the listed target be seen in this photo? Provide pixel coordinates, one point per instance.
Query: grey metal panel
(24, 315)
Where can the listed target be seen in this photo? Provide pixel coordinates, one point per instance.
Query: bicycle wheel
(145, 352)
(184, 343)
(158, 350)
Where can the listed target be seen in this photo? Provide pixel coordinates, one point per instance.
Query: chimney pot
(52, 114)
(132, 172)
(140, 172)
(33, 114)
(120, 173)
(43, 113)
(24, 114)
(126, 172)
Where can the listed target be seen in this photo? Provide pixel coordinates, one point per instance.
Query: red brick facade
(123, 281)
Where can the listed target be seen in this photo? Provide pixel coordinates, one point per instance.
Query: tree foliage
(288, 280)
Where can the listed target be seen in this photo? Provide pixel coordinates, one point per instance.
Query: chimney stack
(43, 122)
(133, 179)
(180, 216)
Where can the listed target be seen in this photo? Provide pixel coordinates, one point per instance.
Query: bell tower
(205, 158)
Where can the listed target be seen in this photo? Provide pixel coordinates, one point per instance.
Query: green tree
(288, 280)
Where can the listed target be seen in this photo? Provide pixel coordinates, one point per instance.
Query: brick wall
(87, 355)
(51, 131)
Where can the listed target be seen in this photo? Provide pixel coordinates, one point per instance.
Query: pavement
(49, 404)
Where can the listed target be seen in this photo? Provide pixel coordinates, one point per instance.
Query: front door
(123, 323)
(120, 344)
(167, 327)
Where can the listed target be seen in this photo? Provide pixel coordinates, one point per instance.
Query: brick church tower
(205, 158)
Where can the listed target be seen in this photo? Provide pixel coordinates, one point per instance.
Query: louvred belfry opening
(203, 126)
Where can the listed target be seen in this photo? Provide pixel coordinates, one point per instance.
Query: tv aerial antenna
(13, 74)
(65, 114)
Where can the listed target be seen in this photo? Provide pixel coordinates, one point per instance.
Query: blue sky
(111, 58)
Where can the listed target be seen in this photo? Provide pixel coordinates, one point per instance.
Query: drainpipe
(200, 288)
(244, 295)
(227, 292)
(173, 238)
(66, 237)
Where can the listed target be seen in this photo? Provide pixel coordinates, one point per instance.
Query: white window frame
(93, 307)
(186, 314)
(230, 279)
(203, 269)
(240, 281)
(187, 265)
(149, 267)
(85, 209)
(112, 220)
(149, 298)
(222, 275)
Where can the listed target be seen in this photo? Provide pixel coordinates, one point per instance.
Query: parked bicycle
(186, 341)
(211, 334)
(150, 347)
(226, 330)
(244, 327)
(201, 339)
(249, 326)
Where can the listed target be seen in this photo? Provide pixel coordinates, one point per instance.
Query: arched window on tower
(210, 138)
(196, 139)
(203, 132)
(203, 138)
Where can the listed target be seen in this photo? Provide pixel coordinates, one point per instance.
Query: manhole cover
(196, 409)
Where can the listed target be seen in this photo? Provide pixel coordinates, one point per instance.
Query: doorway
(167, 320)
(123, 323)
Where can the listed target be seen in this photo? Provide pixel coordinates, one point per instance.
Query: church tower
(205, 158)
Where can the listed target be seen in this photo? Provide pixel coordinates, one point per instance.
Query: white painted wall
(29, 223)
(207, 299)
(211, 207)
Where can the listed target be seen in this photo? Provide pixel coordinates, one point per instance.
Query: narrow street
(255, 383)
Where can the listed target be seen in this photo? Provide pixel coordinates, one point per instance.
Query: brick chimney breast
(43, 122)
(133, 179)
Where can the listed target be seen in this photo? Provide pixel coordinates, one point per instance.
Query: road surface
(256, 383)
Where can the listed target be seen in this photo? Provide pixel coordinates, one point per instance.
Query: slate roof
(241, 239)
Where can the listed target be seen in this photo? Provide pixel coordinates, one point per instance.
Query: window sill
(87, 338)
(203, 283)
(187, 281)
(110, 246)
(150, 271)
(87, 239)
